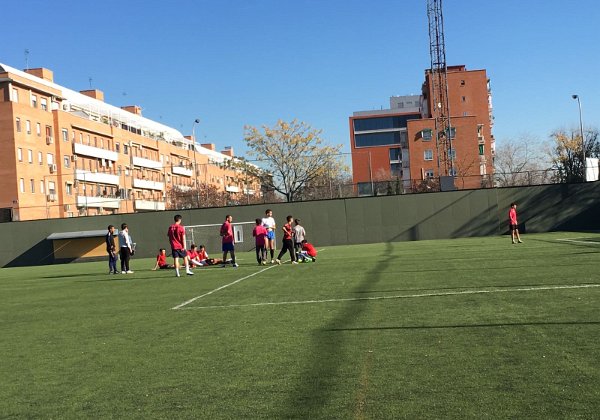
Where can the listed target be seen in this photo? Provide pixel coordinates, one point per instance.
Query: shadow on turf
(501, 325)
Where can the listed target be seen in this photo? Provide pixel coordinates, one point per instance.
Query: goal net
(209, 236)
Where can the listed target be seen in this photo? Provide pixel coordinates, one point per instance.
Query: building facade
(396, 147)
(66, 154)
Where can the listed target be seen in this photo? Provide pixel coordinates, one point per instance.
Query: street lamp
(196, 121)
(581, 132)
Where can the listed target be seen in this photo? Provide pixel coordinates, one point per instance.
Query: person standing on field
(176, 234)
(125, 249)
(299, 236)
(260, 236)
(513, 225)
(111, 248)
(269, 223)
(228, 241)
(287, 242)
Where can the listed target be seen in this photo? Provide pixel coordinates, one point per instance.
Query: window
(22, 185)
(383, 123)
(396, 169)
(30, 156)
(125, 149)
(365, 188)
(464, 99)
(51, 187)
(452, 154)
(32, 185)
(428, 173)
(50, 158)
(44, 104)
(67, 161)
(462, 82)
(34, 101)
(428, 154)
(20, 154)
(18, 124)
(378, 139)
(14, 95)
(40, 158)
(481, 150)
(427, 134)
(28, 126)
(117, 147)
(69, 189)
(65, 134)
(452, 172)
(42, 189)
(38, 129)
(395, 155)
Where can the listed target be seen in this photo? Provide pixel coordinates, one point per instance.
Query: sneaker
(264, 263)
(129, 272)
(278, 261)
(189, 273)
(272, 261)
(235, 265)
(294, 262)
(123, 272)
(314, 259)
(177, 275)
(520, 241)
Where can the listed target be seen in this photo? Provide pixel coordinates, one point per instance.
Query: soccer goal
(209, 236)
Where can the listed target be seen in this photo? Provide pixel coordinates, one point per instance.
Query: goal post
(209, 236)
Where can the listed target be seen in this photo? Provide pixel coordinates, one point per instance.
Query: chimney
(134, 109)
(42, 73)
(93, 93)
(209, 146)
(228, 151)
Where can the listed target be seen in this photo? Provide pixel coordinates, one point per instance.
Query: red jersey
(310, 250)
(260, 233)
(161, 260)
(192, 254)
(176, 233)
(202, 255)
(227, 233)
(287, 231)
(512, 216)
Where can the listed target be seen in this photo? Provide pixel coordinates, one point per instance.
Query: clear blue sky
(232, 63)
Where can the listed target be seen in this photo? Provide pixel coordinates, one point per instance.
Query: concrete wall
(338, 222)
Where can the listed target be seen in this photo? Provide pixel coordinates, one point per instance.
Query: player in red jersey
(513, 225)
(260, 234)
(288, 242)
(228, 241)
(176, 234)
(308, 252)
(161, 260)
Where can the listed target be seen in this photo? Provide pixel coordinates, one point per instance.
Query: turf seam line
(440, 294)
(221, 288)
(579, 242)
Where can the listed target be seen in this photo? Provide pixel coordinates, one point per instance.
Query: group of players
(294, 241)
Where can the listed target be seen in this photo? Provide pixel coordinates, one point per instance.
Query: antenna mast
(440, 107)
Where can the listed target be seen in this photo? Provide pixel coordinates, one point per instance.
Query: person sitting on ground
(308, 253)
(161, 260)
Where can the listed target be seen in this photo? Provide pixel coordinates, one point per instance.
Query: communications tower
(440, 107)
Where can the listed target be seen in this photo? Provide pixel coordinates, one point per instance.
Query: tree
(293, 155)
(567, 154)
(520, 162)
(208, 195)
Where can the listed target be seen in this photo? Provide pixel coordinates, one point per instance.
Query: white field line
(579, 242)
(187, 302)
(465, 292)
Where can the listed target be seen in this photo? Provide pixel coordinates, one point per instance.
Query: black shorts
(513, 226)
(179, 253)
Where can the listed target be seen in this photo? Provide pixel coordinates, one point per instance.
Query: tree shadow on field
(327, 354)
(498, 325)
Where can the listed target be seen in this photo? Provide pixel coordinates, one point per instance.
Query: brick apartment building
(67, 154)
(397, 146)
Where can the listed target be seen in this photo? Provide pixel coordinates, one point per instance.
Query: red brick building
(396, 147)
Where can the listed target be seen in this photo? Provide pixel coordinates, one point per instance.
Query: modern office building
(397, 147)
(66, 154)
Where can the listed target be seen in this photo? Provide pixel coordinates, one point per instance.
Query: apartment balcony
(249, 191)
(180, 170)
(232, 188)
(97, 202)
(148, 205)
(148, 185)
(481, 139)
(96, 152)
(98, 177)
(146, 163)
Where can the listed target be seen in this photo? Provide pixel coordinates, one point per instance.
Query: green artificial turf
(465, 328)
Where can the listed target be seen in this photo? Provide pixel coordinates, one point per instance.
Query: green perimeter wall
(345, 221)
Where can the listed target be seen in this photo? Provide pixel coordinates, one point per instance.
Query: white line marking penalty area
(439, 294)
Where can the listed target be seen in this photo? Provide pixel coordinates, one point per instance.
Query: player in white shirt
(269, 223)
